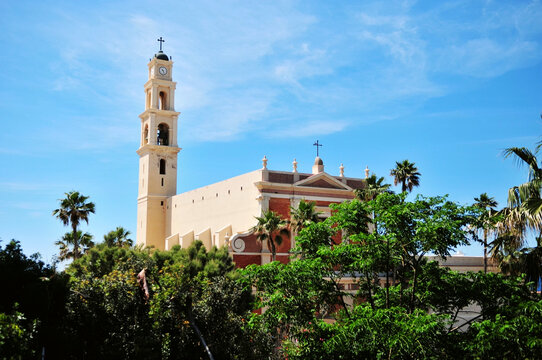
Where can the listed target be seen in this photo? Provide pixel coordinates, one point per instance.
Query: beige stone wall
(465, 263)
(232, 202)
(151, 221)
(151, 182)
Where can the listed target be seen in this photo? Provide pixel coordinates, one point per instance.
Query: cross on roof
(318, 145)
(161, 41)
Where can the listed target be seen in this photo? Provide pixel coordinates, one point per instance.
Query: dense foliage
(126, 303)
(358, 286)
(399, 305)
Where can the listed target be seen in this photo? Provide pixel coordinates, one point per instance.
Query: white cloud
(236, 64)
(489, 58)
(310, 128)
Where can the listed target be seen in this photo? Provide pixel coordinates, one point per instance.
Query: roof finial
(367, 172)
(294, 164)
(264, 162)
(341, 170)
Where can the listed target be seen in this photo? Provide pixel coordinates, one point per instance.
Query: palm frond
(523, 156)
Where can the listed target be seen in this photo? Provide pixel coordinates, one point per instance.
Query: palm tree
(303, 215)
(374, 186)
(270, 228)
(70, 246)
(527, 195)
(74, 209)
(405, 173)
(522, 216)
(486, 203)
(532, 264)
(118, 237)
(523, 212)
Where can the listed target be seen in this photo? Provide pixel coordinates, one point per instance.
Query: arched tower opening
(146, 135)
(163, 134)
(148, 100)
(162, 100)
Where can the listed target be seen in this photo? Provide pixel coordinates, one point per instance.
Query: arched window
(162, 168)
(162, 97)
(146, 135)
(163, 135)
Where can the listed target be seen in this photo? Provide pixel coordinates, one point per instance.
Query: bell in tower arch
(163, 135)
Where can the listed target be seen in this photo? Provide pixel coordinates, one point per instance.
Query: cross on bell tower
(161, 41)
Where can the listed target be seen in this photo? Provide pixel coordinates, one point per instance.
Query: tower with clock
(157, 152)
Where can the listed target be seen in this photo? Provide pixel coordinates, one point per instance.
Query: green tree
(199, 307)
(118, 237)
(73, 209)
(487, 205)
(511, 334)
(16, 336)
(194, 297)
(374, 186)
(406, 174)
(303, 215)
(302, 296)
(31, 305)
(417, 316)
(270, 228)
(73, 247)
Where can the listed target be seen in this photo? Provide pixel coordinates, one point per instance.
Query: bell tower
(157, 152)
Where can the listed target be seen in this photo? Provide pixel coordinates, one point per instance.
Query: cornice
(310, 174)
(159, 61)
(159, 149)
(266, 185)
(324, 176)
(167, 83)
(167, 113)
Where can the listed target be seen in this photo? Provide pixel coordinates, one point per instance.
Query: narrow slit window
(162, 167)
(162, 181)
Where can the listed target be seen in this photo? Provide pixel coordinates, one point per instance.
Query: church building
(222, 213)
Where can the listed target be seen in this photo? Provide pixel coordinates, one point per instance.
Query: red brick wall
(252, 244)
(242, 261)
(285, 246)
(280, 206)
(285, 259)
(325, 203)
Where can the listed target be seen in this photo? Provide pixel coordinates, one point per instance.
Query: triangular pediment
(323, 180)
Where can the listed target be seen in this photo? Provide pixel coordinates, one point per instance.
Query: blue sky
(447, 85)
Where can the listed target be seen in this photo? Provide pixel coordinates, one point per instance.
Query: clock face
(163, 70)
